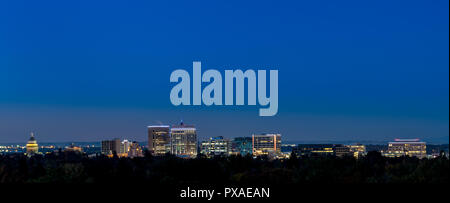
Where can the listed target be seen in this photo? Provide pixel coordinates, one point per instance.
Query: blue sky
(352, 70)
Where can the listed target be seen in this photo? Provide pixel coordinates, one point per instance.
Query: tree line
(70, 167)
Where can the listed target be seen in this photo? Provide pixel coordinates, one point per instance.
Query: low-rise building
(135, 150)
(358, 150)
(216, 146)
(242, 146)
(73, 148)
(342, 150)
(314, 150)
(406, 147)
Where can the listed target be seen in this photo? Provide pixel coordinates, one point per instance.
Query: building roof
(266, 135)
(158, 126)
(407, 143)
(32, 139)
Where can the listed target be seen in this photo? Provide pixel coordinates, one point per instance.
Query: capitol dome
(32, 146)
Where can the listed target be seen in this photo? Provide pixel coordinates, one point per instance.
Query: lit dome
(32, 146)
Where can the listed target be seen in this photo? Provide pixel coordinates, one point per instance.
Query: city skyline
(224, 100)
(181, 141)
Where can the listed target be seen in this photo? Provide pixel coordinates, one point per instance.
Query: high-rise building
(406, 147)
(242, 146)
(110, 147)
(266, 144)
(32, 145)
(125, 147)
(158, 139)
(183, 140)
(216, 146)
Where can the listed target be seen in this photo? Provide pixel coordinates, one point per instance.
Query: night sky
(348, 70)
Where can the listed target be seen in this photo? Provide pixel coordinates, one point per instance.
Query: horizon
(365, 142)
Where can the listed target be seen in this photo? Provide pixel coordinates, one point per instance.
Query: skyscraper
(111, 146)
(183, 140)
(125, 146)
(158, 139)
(266, 144)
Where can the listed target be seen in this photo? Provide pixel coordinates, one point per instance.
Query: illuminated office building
(184, 140)
(73, 148)
(406, 147)
(266, 144)
(135, 150)
(159, 139)
(32, 145)
(342, 150)
(125, 147)
(314, 150)
(216, 146)
(358, 150)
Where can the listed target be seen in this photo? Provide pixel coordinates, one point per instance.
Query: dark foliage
(77, 168)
